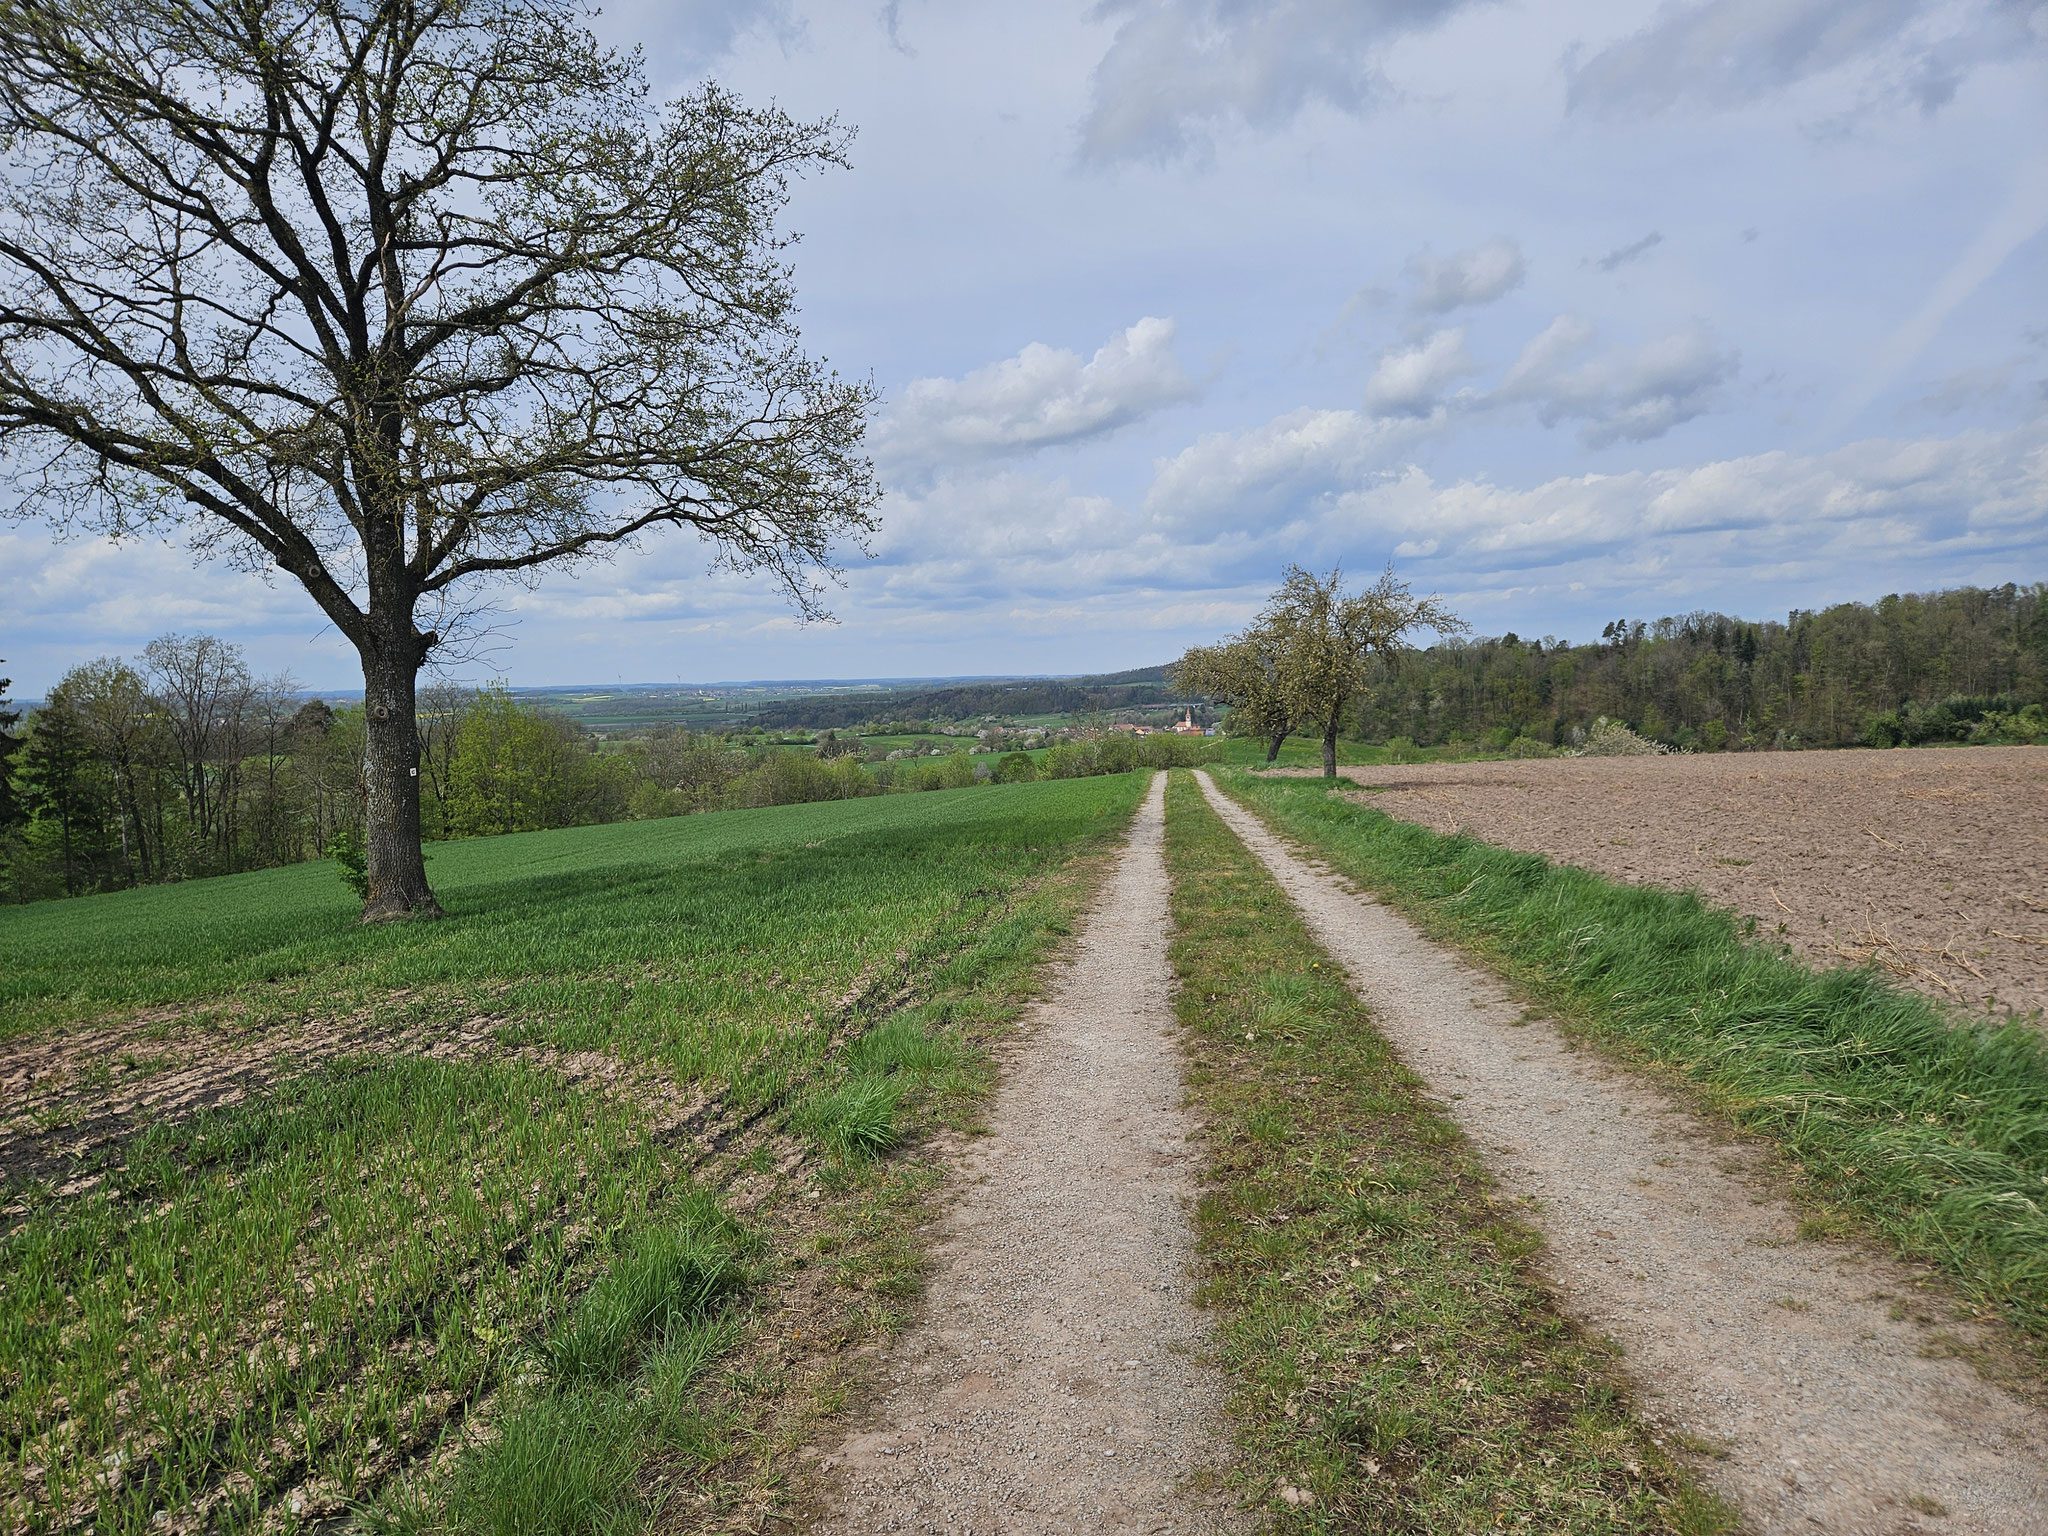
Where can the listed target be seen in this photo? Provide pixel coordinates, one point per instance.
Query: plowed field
(1930, 863)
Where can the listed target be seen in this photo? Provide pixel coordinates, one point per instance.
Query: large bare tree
(399, 296)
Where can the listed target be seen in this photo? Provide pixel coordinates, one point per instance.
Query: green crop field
(490, 1201)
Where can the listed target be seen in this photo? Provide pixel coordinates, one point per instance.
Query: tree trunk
(391, 781)
(1273, 745)
(1330, 752)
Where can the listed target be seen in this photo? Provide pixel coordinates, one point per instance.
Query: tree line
(183, 763)
(1965, 664)
(1968, 664)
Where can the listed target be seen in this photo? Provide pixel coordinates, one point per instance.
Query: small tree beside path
(1244, 673)
(1310, 654)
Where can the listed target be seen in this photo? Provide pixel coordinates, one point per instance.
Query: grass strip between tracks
(1397, 1365)
(1895, 1113)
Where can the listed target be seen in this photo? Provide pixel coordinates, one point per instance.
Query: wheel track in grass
(1056, 1380)
(1801, 1362)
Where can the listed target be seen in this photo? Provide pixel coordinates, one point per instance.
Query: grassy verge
(1930, 1128)
(266, 1312)
(1395, 1360)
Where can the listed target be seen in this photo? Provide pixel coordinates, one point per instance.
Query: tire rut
(1056, 1380)
(1823, 1400)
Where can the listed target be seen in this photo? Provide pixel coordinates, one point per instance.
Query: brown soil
(72, 1102)
(1929, 863)
(1815, 1384)
(1056, 1379)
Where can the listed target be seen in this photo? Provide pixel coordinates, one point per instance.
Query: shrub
(1529, 746)
(1959, 717)
(1069, 760)
(1016, 768)
(831, 745)
(797, 778)
(669, 1275)
(1613, 738)
(951, 770)
(351, 860)
(2026, 727)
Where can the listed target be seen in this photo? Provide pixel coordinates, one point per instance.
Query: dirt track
(1812, 1369)
(1929, 862)
(1056, 1380)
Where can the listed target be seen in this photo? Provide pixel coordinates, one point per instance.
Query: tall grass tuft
(668, 1276)
(901, 1043)
(557, 1466)
(858, 1118)
(1930, 1124)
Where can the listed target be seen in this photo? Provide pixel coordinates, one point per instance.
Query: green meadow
(494, 1205)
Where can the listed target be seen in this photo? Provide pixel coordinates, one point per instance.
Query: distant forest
(1939, 666)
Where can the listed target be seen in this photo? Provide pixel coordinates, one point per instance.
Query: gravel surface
(1927, 861)
(1812, 1365)
(1056, 1381)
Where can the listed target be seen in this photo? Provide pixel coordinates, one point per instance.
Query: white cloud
(1410, 381)
(1041, 397)
(689, 38)
(1729, 53)
(1268, 477)
(1879, 503)
(1178, 68)
(68, 601)
(1630, 395)
(1225, 514)
(1967, 389)
(1445, 283)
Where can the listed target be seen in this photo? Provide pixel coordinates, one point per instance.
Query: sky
(1572, 310)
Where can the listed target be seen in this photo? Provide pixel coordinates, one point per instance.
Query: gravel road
(1812, 1365)
(1056, 1381)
